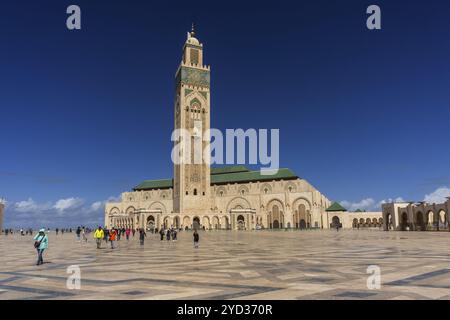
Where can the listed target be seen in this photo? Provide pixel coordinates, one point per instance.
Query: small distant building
(416, 216)
(338, 216)
(2, 210)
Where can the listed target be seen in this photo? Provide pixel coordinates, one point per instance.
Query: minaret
(192, 114)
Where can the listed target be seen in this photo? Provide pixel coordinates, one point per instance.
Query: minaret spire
(193, 30)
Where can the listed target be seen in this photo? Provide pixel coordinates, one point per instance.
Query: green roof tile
(251, 176)
(228, 169)
(154, 184)
(234, 174)
(336, 207)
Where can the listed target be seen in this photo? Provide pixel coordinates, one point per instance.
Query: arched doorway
(404, 221)
(302, 224)
(442, 220)
(430, 220)
(206, 223)
(225, 223)
(176, 222)
(241, 222)
(388, 222)
(215, 223)
(335, 222)
(150, 223)
(420, 224)
(355, 223)
(186, 222)
(196, 223)
(275, 224)
(166, 224)
(276, 217)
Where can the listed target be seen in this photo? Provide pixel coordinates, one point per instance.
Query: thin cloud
(67, 212)
(438, 196)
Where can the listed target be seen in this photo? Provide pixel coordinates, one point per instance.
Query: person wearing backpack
(40, 243)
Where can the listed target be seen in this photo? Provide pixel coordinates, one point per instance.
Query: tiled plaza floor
(232, 264)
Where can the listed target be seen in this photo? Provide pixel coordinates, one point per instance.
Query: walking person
(78, 232)
(106, 235)
(112, 237)
(127, 234)
(168, 235)
(98, 236)
(174, 235)
(196, 239)
(133, 231)
(40, 243)
(83, 234)
(142, 236)
(161, 233)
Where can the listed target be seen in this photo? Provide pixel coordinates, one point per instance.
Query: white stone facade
(275, 204)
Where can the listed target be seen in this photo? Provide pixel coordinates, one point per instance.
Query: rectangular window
(194, 56)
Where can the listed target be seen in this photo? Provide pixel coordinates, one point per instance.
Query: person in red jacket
(112, 237)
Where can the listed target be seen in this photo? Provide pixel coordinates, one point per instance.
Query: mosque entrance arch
(150, 222)
(404, 221)
(275, 224)
(241, 222)
(335, 222)
(196, 223)
(302, 224)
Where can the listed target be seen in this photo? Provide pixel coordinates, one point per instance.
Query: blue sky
(363, 115)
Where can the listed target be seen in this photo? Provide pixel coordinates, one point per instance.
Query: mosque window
(195, 192)
(194, 56)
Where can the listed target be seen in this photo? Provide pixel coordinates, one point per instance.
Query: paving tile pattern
(233, 265)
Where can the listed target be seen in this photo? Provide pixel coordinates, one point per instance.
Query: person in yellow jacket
(98, 236)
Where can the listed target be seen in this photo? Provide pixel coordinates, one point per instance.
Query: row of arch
(266, 188)
(178, 222)
(420, 221)
(301, 216)
(367, 223)
(237, 201)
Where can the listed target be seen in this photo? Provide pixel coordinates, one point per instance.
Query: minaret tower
(192, 114)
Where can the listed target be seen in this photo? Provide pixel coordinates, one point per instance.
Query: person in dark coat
(196, 239)
(174, 235)
(142, 236)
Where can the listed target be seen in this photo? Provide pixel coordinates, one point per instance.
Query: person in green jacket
(41, 243)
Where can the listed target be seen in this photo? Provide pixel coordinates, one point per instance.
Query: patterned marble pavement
(233, 265)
